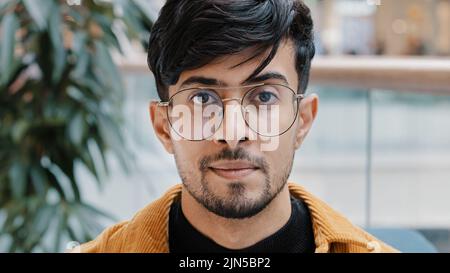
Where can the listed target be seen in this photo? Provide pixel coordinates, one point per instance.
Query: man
(231, 76)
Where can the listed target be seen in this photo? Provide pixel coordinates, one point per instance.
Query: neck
(238, 233)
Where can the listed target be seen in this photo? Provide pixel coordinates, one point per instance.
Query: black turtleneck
(296, 236)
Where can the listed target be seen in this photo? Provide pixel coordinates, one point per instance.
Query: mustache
(236, 154)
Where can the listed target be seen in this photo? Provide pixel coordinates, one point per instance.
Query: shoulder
(333, 232)
(145, 232)
(110, 240)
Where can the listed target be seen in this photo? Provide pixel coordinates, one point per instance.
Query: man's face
(237, 177)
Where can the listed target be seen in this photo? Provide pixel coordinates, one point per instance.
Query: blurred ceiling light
(356, 8)
(73, 2)
(373, 2)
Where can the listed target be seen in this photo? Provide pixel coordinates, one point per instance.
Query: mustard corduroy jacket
(147, 231)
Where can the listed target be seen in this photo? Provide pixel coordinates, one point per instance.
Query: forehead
(224, 69)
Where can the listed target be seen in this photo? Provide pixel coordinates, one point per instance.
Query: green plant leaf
(86, 220)
(80, 38)
(17, 179)
(82, 65)
(108, 31)
(108, 70)
(19, 129)
(39, 180)
(95, 211)
(113, 137)
(60, 105)
(97, 156)
(3, 5)
(65, 163)
(55, 181)
(59, 57)
(41, 219)
(9, 26)
(145, 8)
(61, 225)
(131, 18)
(39, 11)
(77, 128)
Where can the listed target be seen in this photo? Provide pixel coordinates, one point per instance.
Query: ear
(306, 116)
(158, 115)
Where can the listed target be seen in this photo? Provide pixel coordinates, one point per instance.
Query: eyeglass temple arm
(299, 96)
(166, 103)
(162, 103)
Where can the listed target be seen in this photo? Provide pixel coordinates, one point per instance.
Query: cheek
(293, 136)
(188, 154)
(282, 155)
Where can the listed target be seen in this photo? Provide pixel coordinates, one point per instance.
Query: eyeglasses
(267, 109)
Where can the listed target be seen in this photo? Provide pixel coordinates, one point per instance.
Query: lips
(233, 169)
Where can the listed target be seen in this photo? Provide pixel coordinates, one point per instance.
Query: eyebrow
(267, 76)
(215, 82)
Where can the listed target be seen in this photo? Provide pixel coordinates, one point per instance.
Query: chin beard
(236, 204)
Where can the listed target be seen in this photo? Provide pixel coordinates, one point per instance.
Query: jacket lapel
(149, 228)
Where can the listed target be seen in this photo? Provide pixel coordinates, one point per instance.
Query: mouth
(233, 169)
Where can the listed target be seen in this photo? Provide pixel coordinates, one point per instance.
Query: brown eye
(203, 97)
(264, 96)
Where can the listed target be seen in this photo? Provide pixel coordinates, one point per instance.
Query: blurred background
(78, 152)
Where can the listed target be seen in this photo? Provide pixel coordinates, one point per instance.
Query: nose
(233, 129)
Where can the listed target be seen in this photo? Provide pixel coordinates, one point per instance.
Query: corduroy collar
(149, 227)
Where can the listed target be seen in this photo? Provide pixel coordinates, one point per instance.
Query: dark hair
(191, 33)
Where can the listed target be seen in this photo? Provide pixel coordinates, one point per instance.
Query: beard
(235, 204)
